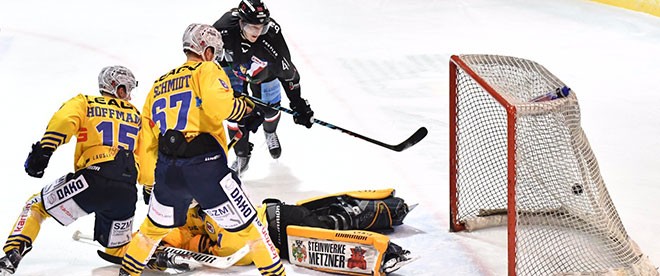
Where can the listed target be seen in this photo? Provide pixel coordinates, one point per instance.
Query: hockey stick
(411, 141)
(199, 258)
(234, 139)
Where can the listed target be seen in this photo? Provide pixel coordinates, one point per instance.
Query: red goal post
(519, 157)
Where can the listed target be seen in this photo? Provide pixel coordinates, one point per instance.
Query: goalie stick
(199, 258)
(411, 141)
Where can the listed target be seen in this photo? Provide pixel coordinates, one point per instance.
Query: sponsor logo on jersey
(270, 48)
(211, 158)
(209, 228)
(245, 47)
(256, 67)
(224, 84)
(114, 102)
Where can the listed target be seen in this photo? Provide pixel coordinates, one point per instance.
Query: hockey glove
(254, 119)
(303, 113)
(37, 160)
(146, 193)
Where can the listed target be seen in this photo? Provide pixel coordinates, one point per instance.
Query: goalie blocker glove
(37, 160)
(303, 113)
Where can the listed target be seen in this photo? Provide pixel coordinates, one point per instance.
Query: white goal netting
(509, 151)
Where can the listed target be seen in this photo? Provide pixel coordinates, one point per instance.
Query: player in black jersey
(256, 54)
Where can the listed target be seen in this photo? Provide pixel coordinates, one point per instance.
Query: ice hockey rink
(376, 67)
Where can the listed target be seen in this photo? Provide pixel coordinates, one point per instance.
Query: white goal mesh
(529, 165)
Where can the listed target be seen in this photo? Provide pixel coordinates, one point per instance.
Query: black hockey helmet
(253, 12)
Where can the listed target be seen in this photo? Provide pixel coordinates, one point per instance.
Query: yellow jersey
(101, 124)
(202, 234)
(194, 98)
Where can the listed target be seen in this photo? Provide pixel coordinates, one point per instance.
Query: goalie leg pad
(280, 215)
(344, 252)
(363, 214)
(376, 210)
(381, 214)
(320, 201)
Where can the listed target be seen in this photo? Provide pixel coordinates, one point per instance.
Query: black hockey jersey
(264, 60)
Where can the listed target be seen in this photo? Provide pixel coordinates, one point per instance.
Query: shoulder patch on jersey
(224, 84)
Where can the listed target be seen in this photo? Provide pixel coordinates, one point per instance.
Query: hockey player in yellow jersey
(106, 128)
(186, 147)
(349, 221)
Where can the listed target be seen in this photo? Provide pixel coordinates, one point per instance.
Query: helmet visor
(254, 29)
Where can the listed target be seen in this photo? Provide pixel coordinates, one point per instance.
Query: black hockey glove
(37, 160)
(146, 193)
(254, 119)
(303, 113)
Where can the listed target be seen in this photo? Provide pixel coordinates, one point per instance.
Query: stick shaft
(412, 140)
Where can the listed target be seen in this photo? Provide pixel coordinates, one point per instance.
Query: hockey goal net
(528, 165)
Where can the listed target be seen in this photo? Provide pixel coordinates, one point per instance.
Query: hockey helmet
(198, 37)
(112, 77)
(253, 12)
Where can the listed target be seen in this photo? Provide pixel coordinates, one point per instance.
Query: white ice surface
(377, 67)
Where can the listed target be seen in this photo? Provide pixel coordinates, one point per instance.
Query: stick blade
(212, 260)
(412, 140)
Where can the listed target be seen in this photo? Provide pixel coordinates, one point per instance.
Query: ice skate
(273, 144)
(9, 262)
(240, 165)
(395, 258)
(171, 262)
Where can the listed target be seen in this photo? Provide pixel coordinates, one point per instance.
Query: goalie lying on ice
(334, 233)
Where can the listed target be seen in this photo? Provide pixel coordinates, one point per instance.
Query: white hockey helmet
(198, 37)
(112, 77)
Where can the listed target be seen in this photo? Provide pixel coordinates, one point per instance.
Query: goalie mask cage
(528, 165)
